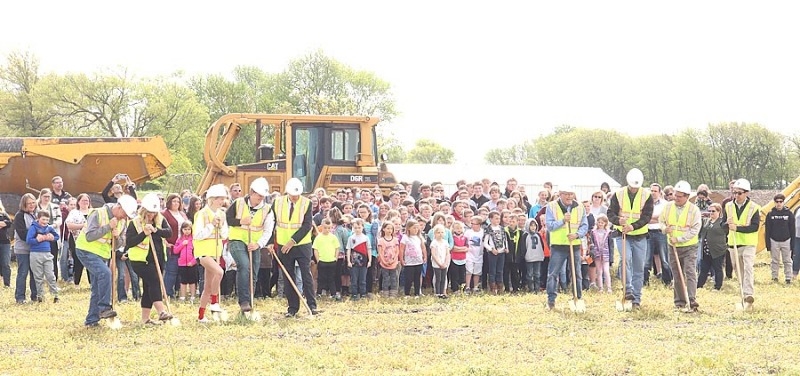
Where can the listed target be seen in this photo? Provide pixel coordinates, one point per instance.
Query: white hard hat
(151, 203)
(294, 187)
(742, 184)
(128, 205)
(683, 187)
(566, 189)
(260, 186)
(635, 178)
(217, 190)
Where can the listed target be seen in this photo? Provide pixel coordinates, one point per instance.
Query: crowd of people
(357, 243)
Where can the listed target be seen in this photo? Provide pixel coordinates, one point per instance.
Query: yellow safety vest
(742, 238)
(101, 246)
(681, 223)
(205, 247)
(633, 213)
(285, 227)
(140, 251)
(559, 235)
(256, 227)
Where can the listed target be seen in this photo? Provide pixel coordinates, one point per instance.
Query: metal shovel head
(628, 305)
(175, 321)
(252, 316)
(577, 305)
(114, 323)
(620, 306)
(220, 316)
(739, 306)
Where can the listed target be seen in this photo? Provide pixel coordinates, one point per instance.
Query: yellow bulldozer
(86, 164)
(324, 151)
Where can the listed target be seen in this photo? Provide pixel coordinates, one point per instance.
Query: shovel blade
(573, 306)
(620, 306)
(114, 323)
(580, 306)
(175, 321)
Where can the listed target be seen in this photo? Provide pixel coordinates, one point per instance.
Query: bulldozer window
(306, 165)
(344, 144)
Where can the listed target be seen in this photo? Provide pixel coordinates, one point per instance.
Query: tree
(427, 151)
(25, 107)
(391, 146)
(523, 154)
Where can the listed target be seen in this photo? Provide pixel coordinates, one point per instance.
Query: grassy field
(486, 335)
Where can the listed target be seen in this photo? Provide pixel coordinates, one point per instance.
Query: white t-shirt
(439, 251)
(657, 209)
(412, 255)
(475, 240)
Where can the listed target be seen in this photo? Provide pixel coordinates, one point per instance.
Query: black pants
(728, 265)
(276, 271)
(263, 288)
(372, 274)
(543, 273)
(151, 286)
(341, 270)
(511, 279)
(77, 265)
(440, 278)
(413, 274)
(327, 279)
(228, 285)
(707, 264)
(301, 254)
(456, 274)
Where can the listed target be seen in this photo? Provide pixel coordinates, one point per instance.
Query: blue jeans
(559, 255)
(170, 273)
(358, 280)
(240, 255)
(5, 264)
(495, 270)
(100, 299)
(63, 261)
(532, 270)
(657, 245)
(635, 253)
(23, 270)
(122, 267)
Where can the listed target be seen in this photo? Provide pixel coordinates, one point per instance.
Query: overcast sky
(470, 75)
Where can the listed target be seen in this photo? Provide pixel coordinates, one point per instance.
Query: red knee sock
(214, 299)
(201, 313)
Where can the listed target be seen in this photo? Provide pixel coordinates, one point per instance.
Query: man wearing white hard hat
(209, 229)
(567, 225)
(681, 221)
(250, 222)
(104, 226)
(148, 226)
(742, 217)
(293, 226)
(630, 210)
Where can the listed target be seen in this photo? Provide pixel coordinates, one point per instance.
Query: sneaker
(151, 323)
(693, 304)
(55, 300)
(354, 297)
(338, 297)
(628, 296)
(551, 305)
(204, 320)
(290, 314)
(749, 299)
(92, 325)
(107, 314)
(315, 311)
(39, 299)
(164, 316)
(636, 306)
(245, 307)
(788, 281)
(214, 307)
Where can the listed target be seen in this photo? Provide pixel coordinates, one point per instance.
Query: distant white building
(586, 180)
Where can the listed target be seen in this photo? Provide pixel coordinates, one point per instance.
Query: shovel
(252, 315)
(174, 320)
(624, 305)
(114, 322)
(290, 279)
(686, 308)
(575, 305)
(741, 305)
(218, 316)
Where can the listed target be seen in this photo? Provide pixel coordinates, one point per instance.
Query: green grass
(483, 335)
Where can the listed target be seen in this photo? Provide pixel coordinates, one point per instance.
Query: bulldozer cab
(322, 151)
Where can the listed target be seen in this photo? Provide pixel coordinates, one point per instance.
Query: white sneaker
(215, 307)
(204, 320)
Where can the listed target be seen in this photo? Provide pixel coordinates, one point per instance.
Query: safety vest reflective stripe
(559, 235)
(671, 212)
(286, 226)
(632, 211)
(256, 227)
(211, 247)
(741, 238)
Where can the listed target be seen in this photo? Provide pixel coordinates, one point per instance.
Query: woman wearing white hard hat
(209, 230)
(251, 223)
(149, 226)
(93, 247)
(629, 211)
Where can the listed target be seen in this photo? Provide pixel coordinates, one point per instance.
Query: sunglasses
(779, 201)
(597, 196)
(738, 193)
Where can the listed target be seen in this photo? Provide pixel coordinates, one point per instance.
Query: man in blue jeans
(567, 225)
(657, 259)
(630, 210)
(94, 248)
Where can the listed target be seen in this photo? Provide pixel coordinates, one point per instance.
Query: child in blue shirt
(40, 234)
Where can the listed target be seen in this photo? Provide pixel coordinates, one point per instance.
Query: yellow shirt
(327, 246)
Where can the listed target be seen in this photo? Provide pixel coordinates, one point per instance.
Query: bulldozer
(324, 151)
(86, 164)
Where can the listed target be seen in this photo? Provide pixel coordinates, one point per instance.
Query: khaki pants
(746, 274)
(687, 257)
(781, 250)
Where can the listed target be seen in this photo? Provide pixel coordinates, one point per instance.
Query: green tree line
(713, 155)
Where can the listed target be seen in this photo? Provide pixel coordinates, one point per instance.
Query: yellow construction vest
(633, 213)
(101, 246)
(681, 224)
(741, 238)
(559, 235)
(140, 251)
(206, 247)
(256, 227)
(285, 227)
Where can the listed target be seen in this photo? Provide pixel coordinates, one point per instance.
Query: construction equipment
(322, 151)
(86, 164)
